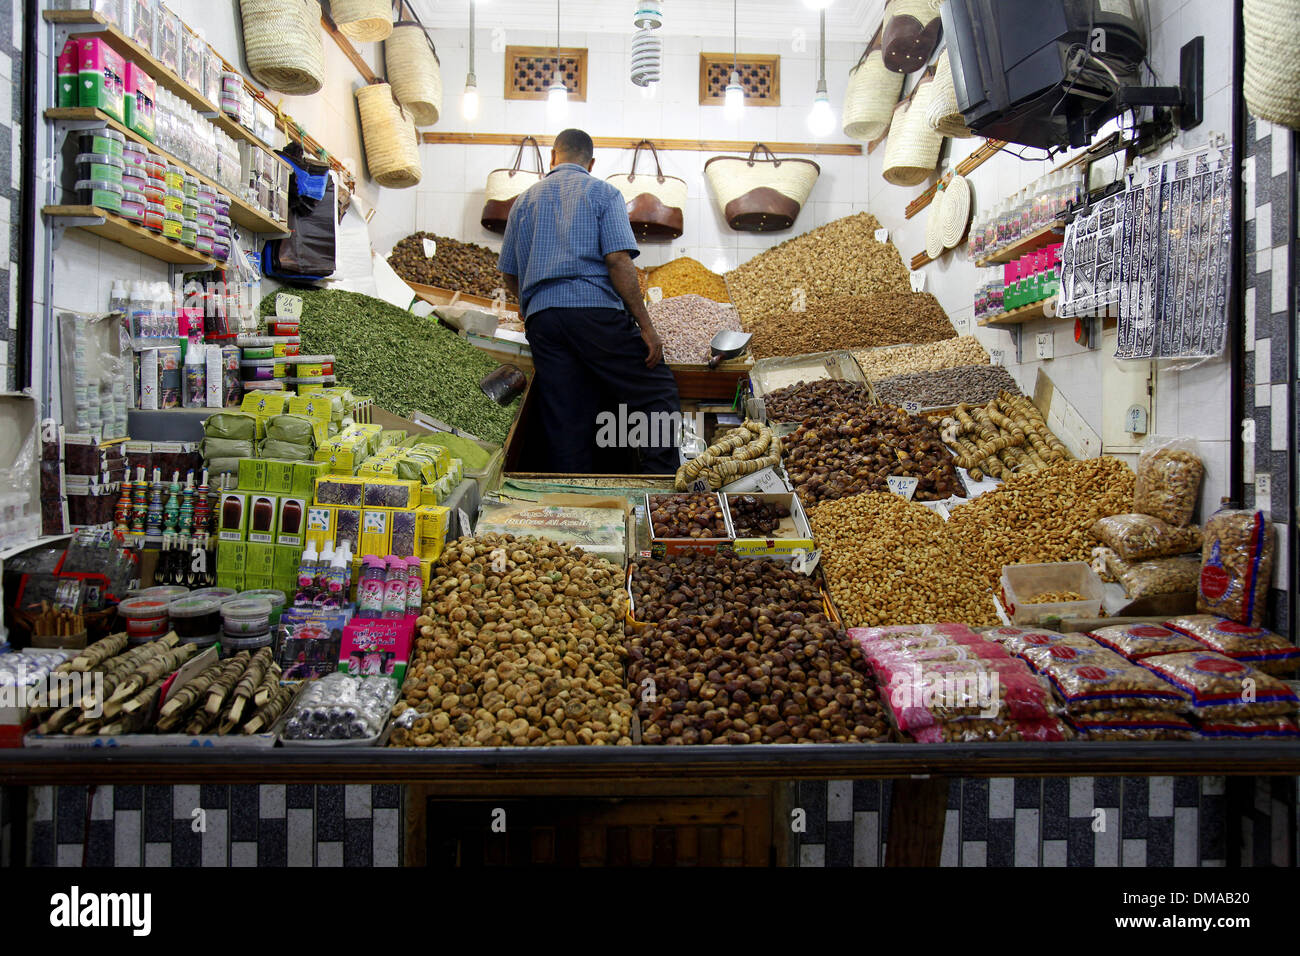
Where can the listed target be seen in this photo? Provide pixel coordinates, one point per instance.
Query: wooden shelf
(133, 236)
(1035, 240)
(161, 73)
(240, 211)
(629, 142)
(1026, 313)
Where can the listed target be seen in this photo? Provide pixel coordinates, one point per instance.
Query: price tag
(833, 367)
(997, 357)
(700, 485)
(962, 325)
(1043, 345)
(882, 235)
(287, 306)
(806, 562)
(430, 248)
(918, 281)
(912, 408)
(655, 293)
(903, 485)
(463, 517)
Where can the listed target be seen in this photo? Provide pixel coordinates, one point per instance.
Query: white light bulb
(821, 119)
(817, 4)
(733, 103)
(469, 103)
(648, 91)
(557, 99)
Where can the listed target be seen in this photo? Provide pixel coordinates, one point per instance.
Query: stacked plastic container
(196, 619)
(246, 625)
(100, 165)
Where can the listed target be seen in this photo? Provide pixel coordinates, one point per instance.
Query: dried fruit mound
(459, 266)
(852, 321)
(686, 276)
(404, 362)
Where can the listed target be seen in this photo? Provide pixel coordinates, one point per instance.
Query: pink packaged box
(102, 73)
(141, 102)
(67, 72)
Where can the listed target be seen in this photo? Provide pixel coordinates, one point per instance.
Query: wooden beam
(348, 49)
(974, 161)
(629, 142)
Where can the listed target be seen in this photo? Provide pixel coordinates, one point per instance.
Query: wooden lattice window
(760, 75)
(530, 70)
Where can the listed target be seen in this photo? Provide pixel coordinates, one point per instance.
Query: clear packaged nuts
(1236, 566)
(1169, 477)
(1136, 537)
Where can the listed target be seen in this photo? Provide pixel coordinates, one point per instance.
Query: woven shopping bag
(504, 186)
(760, 193)
(655, 204)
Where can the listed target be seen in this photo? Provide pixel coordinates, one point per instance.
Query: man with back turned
(567, 255)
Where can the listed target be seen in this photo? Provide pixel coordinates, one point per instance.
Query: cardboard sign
(903, 485)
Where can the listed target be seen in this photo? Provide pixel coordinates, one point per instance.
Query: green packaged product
(213, 448)
(289, 451)
(237, 425)
(252, 475)
(474, 455)
(292, 429)
(279, 476)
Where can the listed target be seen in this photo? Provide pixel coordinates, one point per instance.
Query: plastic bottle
(370, 589)
(307, 570)
(414, 587)
(335, 579)
(195, 374)
(395, 587)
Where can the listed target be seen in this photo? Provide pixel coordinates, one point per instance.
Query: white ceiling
(761, 19)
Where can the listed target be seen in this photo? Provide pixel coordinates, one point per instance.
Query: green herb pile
(404, 362)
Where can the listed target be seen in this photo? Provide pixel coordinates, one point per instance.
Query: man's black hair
(576, 145)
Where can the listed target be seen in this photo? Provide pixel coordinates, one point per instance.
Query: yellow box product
(391, 493)
(347, 527)
(265, 404)
(279, 476)
(340, 490)
(456, 471)
(404, 538)
(376, 532)
(432, 523)
(260, 560)
(316, 409)
(231, 556)
(252, 474)
(341, 458)
(305, 474)
(263, 513)
(377, 467)
(233, 518)
(320, 526)
(291, 522)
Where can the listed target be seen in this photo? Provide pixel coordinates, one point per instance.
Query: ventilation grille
(530, 69)
(760, 75)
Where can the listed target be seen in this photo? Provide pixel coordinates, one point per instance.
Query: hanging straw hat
(1271, 79)
(412, 66)
(954, 211)
(912, 150)
(870, 98)
(943, 115)
(282, 43)
(388, 133)
(366, 21)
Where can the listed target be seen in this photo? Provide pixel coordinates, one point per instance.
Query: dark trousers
(592, 386)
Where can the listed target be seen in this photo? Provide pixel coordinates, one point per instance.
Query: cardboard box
(305, 474)
(433, 522)
(291, 525)
(232, 556)
(391, 493)
(376, 532)
(793, 534)
(67, 73)
(404, 538)
(662, 547)
(347, 527)
(230, 579)
(252, 474)
(263, 515)
(340, 490)
(265, 404)
(140, 110)
(260, 560)
(233, 516)
(102, 73)
(286, 562)
(279, 477)
(379, 646)
(319, 526)
(257, 582)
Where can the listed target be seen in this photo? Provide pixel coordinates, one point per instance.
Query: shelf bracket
(65, 126)
(1017, 335)
(58, 224)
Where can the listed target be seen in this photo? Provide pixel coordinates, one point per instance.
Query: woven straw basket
(505, 185)
(870, 98)
(910, 34)
(366, 21)
(1271, 80)
(656, 204)
(388, 132)
(934, 228)
(759, 194)
(282, 43)
(912, 150)
(412, 66)
(943, 115)
(954, 212)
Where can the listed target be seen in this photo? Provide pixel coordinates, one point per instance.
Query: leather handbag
(655, 204)
(504, 186)
(757, 194)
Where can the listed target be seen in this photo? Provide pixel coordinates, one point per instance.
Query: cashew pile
(950, 353)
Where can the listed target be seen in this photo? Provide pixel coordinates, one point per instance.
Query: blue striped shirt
(557, 237)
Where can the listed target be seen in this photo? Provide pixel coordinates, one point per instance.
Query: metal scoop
(728, 345)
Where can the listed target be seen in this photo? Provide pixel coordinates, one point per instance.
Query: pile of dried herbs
(404, 362)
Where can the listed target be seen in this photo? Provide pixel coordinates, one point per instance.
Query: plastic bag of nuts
(1249, 728)
(1136, 641)
(925, 693)
(1169, 477)
(1136, 537)
(1217, 685)
(977, 730)
(1153, 576)
(1269, 652)
(1236, 566)
(1133, 725)
(1099, 679)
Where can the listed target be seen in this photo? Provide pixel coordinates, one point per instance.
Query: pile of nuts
(839, 258)
(687, 516)
(950, 353)
(852, 321)
(890, 561)
(688, 323)
(1041, 517)
(975, 384)
(521, 644)
(1055, 597)
(804, 400)
(836, 456)
(685, 276)
(739, 651)
(459, 266)
(755, 518)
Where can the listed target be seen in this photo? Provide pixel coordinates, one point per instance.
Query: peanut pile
(686, 276)
(932, 356)
(839, 258)
(851, 321)
(521, 643)
(1040, 517)
(687, 324)
(890, 561)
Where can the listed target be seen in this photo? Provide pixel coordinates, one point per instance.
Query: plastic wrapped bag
(1133, 725)
(1154, 575)
(1217, 685)
(1029, 643)
(1169, 477)
(1136, 641)
(1236, 566)
(921, 695)
(1099, 679)
(1269, 652)
(285, 450)
(1136, 537)
(1249, 728)
(979, 731)
(213, 448)
(292, 429)
(235, 425)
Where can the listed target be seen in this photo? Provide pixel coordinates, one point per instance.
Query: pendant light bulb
(557, 98)
(469, 102)
(733, 103)
(821, 119)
